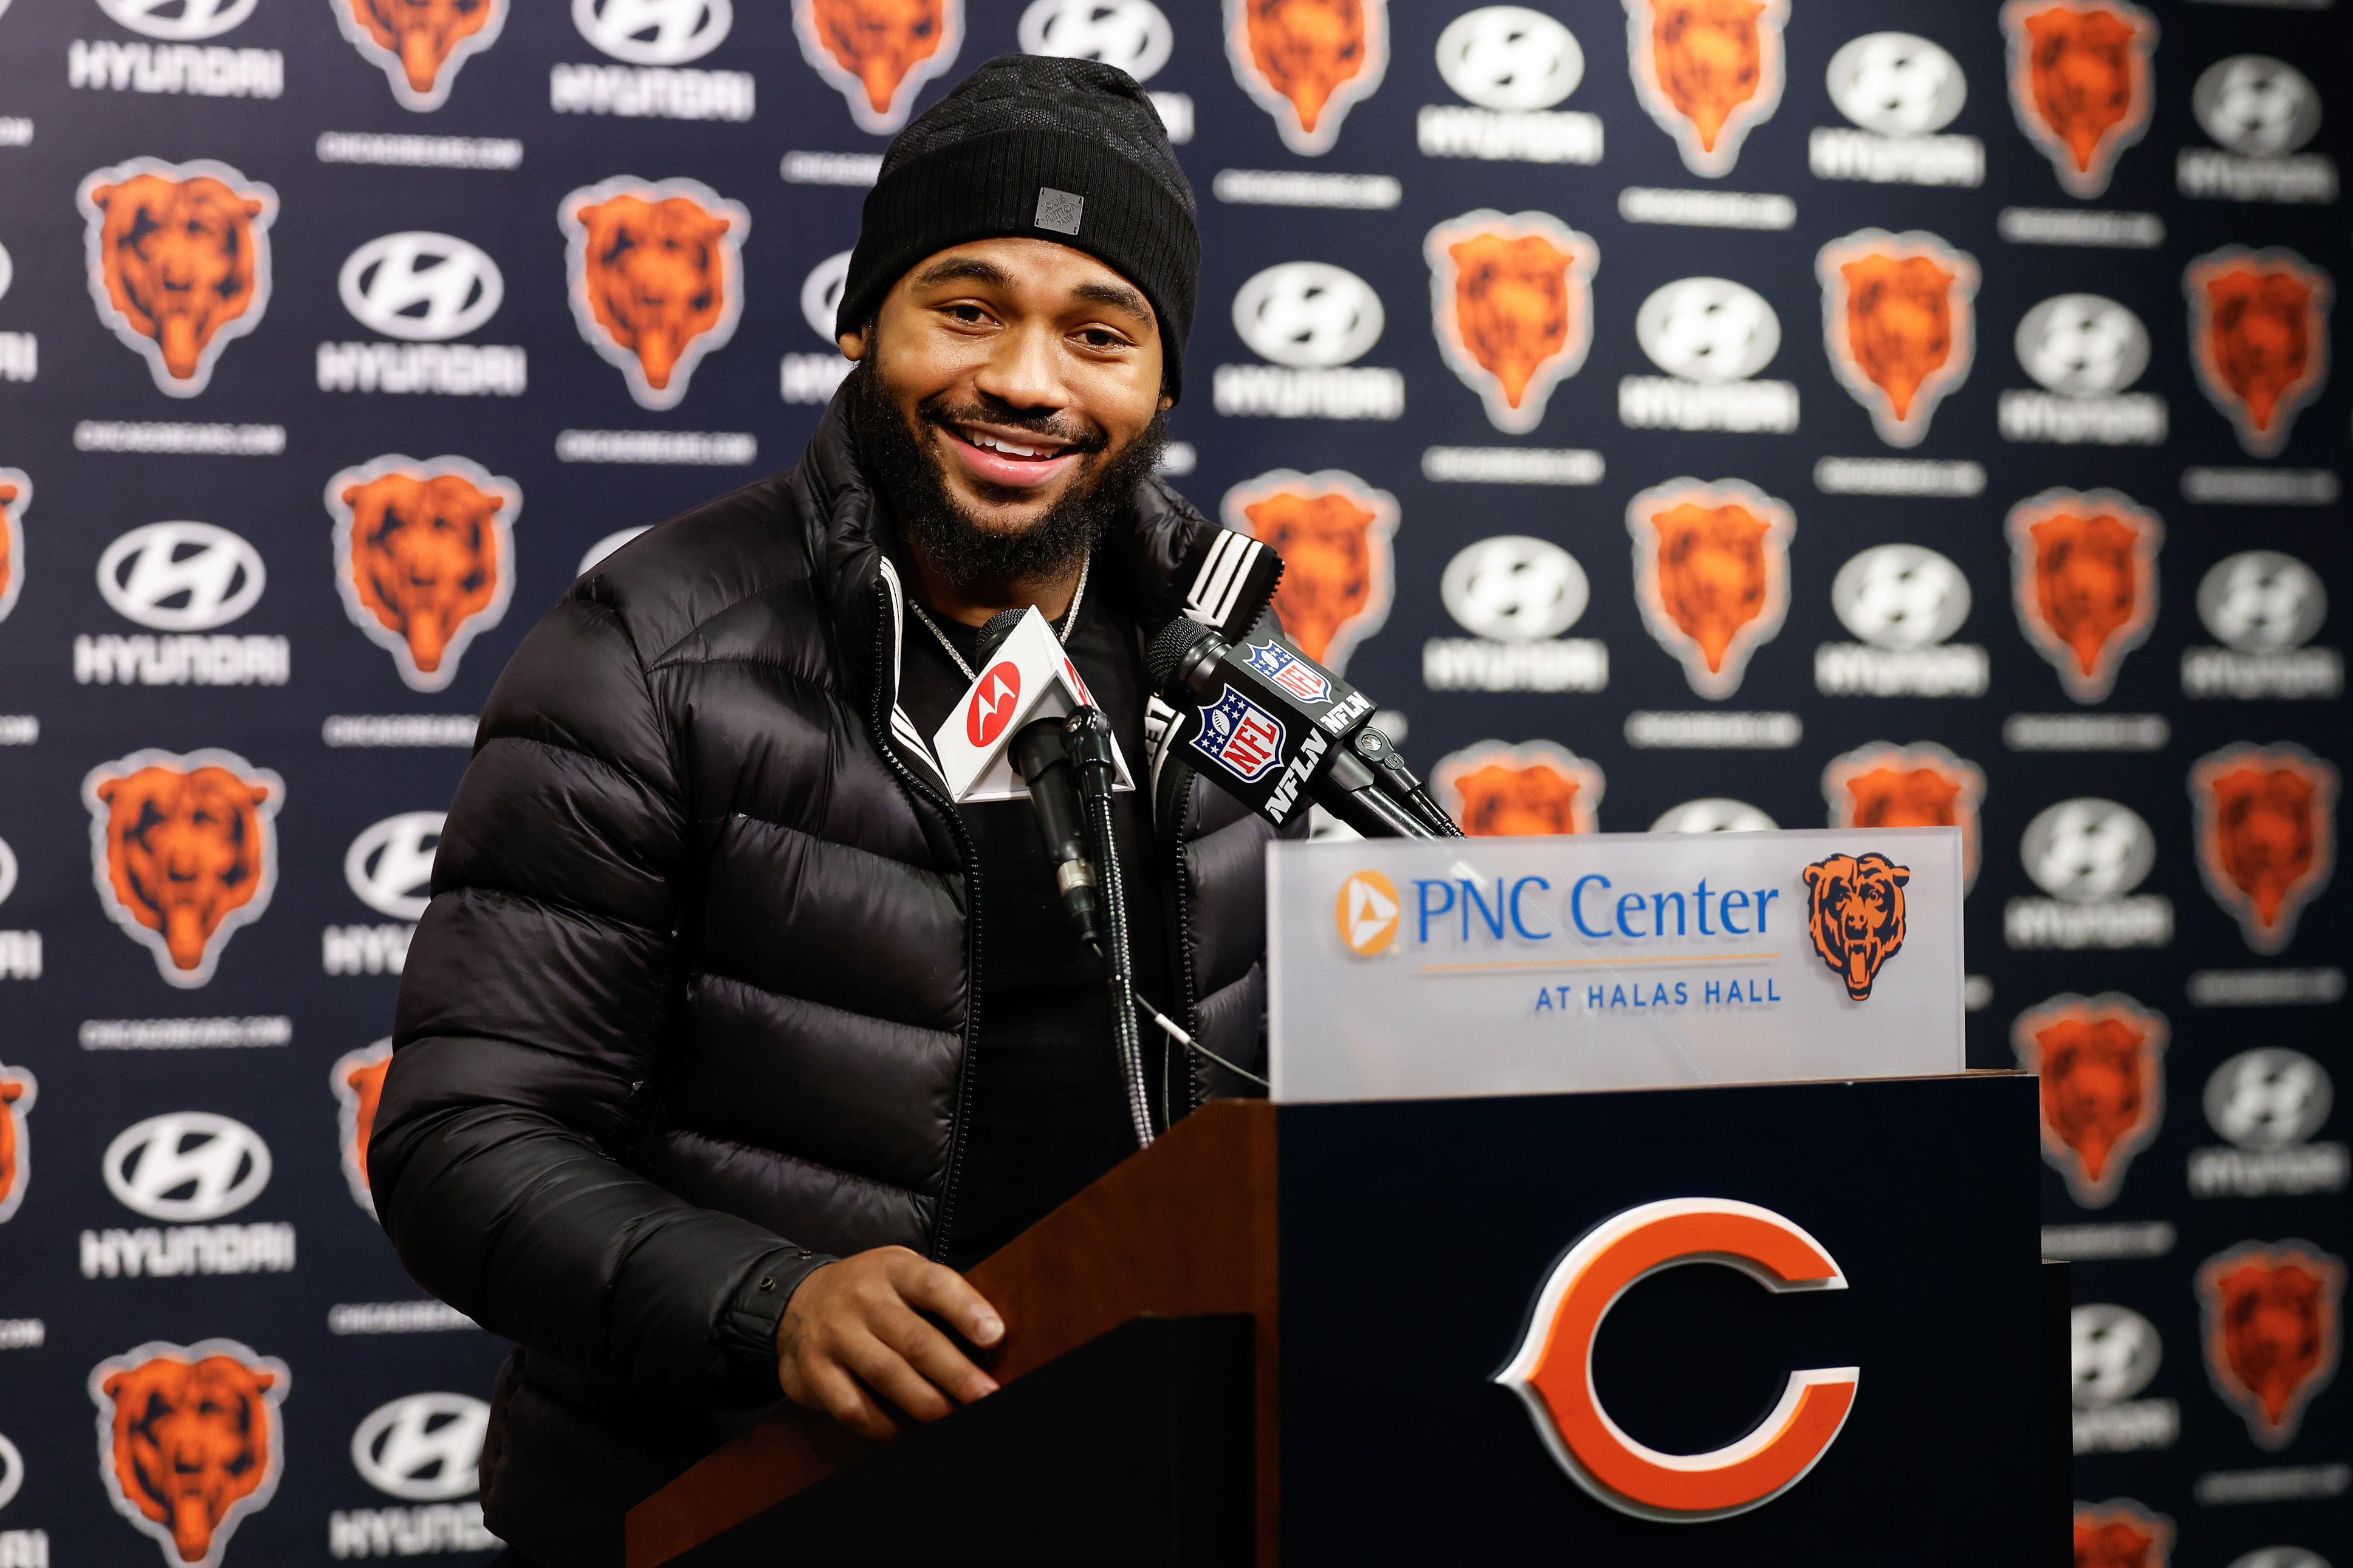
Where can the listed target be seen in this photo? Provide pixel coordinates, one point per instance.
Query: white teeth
(995, 444)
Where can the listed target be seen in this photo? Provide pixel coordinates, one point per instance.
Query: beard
(964, 548)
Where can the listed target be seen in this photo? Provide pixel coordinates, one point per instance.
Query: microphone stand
(1087, 735)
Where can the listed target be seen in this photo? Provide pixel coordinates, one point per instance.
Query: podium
(1277, 1336)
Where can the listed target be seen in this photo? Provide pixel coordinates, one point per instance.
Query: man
(727, 1032)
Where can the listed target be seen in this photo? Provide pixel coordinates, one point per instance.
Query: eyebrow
(1118, 297)
(965, 268)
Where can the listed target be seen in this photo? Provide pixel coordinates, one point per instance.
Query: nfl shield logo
(1291, 672)
(1240, 736)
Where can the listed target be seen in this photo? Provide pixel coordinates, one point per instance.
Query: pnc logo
(1133, 35)
(1900, 596)
(1711, 575)
(2083, 564)
(18, 1090)
(2082, 345)
(994, 696)
(178, 259)
(1709, 71)
(1514, 588)
(2274, 1332)
(2260, 601)
(2259, 339)
(181, 576)
(2266, 836)
(1511, 300)
(389, 866)
(1854, 916)
(1308, 62)
(423, 558)
(1510, 58)
(186, 1167)
(654, 32)
(1333, 531)
(420, 44)
(1899, 319)
(2111, 1354)
(1885, 785)
(1494, 790)
(191, 20)
(2079, 83)
(1552, 1370)
(357, 1079)
(1308, 313)
(2256, 106)
(184, 849)
(1708, 329)
(2086, 850)
(2120, 1533)
(2270, 1097)
(1367, 913)
(657, 278)
(15, 495)
(425, 1447)
(190, 1441)
(1897, 84)
(422, 286)
(2101, 1063)
(878, 54)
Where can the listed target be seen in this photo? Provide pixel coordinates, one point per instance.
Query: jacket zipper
(908, 780)
(1176, 880)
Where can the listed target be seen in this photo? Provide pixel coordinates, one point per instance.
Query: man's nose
(1025, 370)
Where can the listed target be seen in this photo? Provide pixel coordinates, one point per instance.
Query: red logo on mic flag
(993, 697)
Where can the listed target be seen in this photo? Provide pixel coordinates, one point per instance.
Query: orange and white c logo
(1553, 1370)
(1367, 913)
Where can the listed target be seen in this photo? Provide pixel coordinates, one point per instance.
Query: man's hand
(853, 1329)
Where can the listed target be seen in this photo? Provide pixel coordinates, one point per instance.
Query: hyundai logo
(1708, 329)
(1308, 313)
(1897, 84)
(389, 866)
(2086, 850)
(1900, 596)
(1714, 815)
(2082, 345)
(181, 576)
(821, 294)
(2112, 1353)
(12, 1472)
(1133, 35)
(426, 1448)
(2256, 106)
(422, 286)
(1514, 588)
(1510, 57)
(186, 21)
(654, 32)
(2269, 1097)
(186, 1167)
(8, 871)
(2260, 601)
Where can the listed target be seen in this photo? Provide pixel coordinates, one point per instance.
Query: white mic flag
(1028, 676)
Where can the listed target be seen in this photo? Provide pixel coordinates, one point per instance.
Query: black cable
(1088, 734)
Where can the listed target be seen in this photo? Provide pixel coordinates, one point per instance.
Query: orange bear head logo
(179, 261)
(1899, 319)
(1332, 532)
(1512, 301)
(1712, 574)
(2121, 1534)
(420, 44)
(1308, 62)
(878, 54)
(185, 851)
(2084, 568)
(1883, 786)
(1496, 791)
(2259, 337)
(423, 558)
(357, 1079)
(15, 495)
(657, 278)
(18, 1090)
(1854, 913)
(193, 1441)
(2266, 836)
(1709, 71)
(2273, 1331)
(2079, 83)
(2100, 1065)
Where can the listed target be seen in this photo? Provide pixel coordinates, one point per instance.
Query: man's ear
(853, 345)
(1166, 402)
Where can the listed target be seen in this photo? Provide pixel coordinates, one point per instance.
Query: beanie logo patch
(1308, 62)
(1059, 210)
(878, 54)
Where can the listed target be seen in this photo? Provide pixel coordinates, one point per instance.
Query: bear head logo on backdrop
(184, 850)
(1308, 62)
(2079, 83)
(178, 261)
(1495, 790)
(2259, 339)
(2100, 1061)
(1899, 320)
(2266, 836)
(878, 54)
(190, 1441)
(2273, 1331)
(423, 558)
(420, 44)
(1332, 532)
(1511, 300)
(657, 278)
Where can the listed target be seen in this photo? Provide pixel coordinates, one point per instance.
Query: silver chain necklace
(1070, 618)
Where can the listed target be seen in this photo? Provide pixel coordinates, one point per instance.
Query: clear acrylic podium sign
(1413, 969)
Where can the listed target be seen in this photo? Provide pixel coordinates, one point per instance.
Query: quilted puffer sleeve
(539, 988)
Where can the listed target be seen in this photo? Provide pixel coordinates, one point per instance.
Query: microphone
(1275, 727)
(1025, 675)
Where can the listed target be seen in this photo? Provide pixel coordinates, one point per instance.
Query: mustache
(1080, 435)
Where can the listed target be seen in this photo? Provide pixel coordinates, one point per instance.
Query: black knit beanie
(1036, 146)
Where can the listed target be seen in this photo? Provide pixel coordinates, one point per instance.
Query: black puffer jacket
(693, 999)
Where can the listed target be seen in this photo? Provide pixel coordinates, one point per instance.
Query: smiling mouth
(1017, 462)
(1029, 449)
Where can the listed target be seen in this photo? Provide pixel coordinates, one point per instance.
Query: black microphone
(1043, 759)
(1272, 727)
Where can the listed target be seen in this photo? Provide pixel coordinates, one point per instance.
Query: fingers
(887, 1372)
(830, 1389)
(933, 1355)
(929, 1287)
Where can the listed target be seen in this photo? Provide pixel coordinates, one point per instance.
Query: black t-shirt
(1049, 1110)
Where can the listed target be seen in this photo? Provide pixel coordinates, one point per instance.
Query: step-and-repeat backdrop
(1683, 414)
